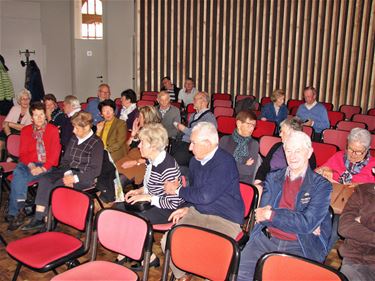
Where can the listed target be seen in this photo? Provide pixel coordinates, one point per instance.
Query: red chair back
(2, 118)
(293, 110)
(323, 151)
(60, 104)
(190, 108)
(221, 96)
(142, 103)
(265, 144)
(327, 105)
(223, 111)
(150, 93)
(350, 110)
(13, 145)
(308, 131)
(222, 103)
(264, 128)
(372, 152)
(372, 144)
(149, 97)
(265, 100)
(226, 124)
(176, 104)
(83, 105)
(294, 103)
(242, 97)
(369, 120)
(336, 137)
(371, 112)
(334, 117)
(348, 125)
(118, 102)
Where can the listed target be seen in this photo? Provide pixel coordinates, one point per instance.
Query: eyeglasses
(355, 152)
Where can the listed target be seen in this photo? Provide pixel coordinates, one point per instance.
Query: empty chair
(264, 128)
(323, 151)
(350, 110)
(265, 144)
(121, 232)
(221, 96)
(344, 125)
(149, 97)
(293, 110)
(281, 267)
(142, 103)
(56, 248)
(294, 103)
(265, 100)
(226, 125)
(371, 112)
(334, 117)
(222, 103)
(308, 131)
(369, 120)
(335, 137)
(223, 111)
(327, 105)
(202, 252)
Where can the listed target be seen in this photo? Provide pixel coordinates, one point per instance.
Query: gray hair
(206, 96)
(207, 131)
(73, 101)
(163, 93)
(154, 134)
(23, 92)
(360, 135)
(294, 123)
(301, 137)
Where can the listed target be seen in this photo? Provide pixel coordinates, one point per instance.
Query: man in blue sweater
(313, 113)
(213, 190)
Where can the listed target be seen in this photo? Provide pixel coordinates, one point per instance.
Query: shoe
(17, 221)
(34, 224)
(186, 277)
(139, 267)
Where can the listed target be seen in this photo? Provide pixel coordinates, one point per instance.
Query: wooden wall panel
(253, 47)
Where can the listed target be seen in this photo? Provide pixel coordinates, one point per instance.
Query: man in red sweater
(39, 151)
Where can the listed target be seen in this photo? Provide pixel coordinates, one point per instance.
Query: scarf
(40, 148)
(352, 168)
(126, 111)
(241, 151)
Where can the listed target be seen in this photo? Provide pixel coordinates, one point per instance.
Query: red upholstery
(372, 152)
(163, 227)
(190, 108)
(118, 102)
(98, 270)
(176, 104)
(264, 128)
(60, 104)
(83, 105)
(223, 111)
(350, 110)
(265, 144)
(372, 144)
(155, 93)
(149, 97)
(308, 130)
(323, 151)
(8, 166)
(293, 110)
(369, 120)
(327, 105)
(242, 97)
(13, 145)
(371, 112)
(2, 118)
(223, 103)
(294, 103)
(248, 196)
(142, 103)
(226, 124)
(335, 137)
(39, 250)
(265, 100)
(348, 125)
(257, 113)
(221, 96)
(334, 117)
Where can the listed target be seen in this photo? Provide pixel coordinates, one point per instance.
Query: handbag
(138, 206)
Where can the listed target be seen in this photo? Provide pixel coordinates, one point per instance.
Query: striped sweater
(163, 168)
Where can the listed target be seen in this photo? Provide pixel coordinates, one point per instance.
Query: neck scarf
(40, 148)
(241, 151)
(352, 168)
(126, 111)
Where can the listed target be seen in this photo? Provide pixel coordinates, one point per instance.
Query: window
(92, 20)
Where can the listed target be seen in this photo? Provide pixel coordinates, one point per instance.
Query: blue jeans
(260, 245)
(18, 190)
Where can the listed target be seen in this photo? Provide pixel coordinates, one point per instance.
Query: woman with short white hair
(354, 164)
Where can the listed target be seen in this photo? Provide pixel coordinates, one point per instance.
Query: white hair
(301, 137)
(23, 92)
(207, 131)
(360, 135)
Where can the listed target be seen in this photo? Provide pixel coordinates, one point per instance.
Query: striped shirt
(163, 168)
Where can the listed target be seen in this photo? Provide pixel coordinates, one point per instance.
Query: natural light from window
(92, 20)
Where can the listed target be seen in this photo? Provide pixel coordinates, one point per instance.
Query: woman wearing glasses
(354, 164)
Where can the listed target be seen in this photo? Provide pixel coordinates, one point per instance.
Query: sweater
(203, 116)
(269, 112)
(172, 115)
(214, 187)
(318, 114)
(52, 146)
(92, 107)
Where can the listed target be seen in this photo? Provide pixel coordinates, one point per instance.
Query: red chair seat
(163, 226)
(30, 183)
(39, 250)
(98, 270)
(8, 166)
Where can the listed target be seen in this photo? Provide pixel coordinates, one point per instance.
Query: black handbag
(138, 206)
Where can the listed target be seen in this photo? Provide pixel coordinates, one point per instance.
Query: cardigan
(172, 115)
(269, 112)
(318, 114)
(14, 115)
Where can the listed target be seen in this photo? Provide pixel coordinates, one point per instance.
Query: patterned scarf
(241, 152)
(40, 148)
(352, 168)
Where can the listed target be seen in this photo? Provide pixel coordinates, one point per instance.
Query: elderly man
(71, 106)
(313, 113)
(213, 190)
(171, 88)
(104, 93)
(293, 214)
(180, 150)
(170, 114)
(188, 93)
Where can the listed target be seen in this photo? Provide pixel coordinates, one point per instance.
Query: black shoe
(139, 267)
(34, 224)
(17, 221)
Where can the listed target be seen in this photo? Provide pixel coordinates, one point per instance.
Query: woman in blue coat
(276, 110)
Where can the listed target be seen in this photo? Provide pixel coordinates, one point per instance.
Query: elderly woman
(17, 118)
(275, 159)
(129, 109)
(54, 114)
(353, 165)
(133, 165)
(80, 165)
(243, 147)
(276, 110)
(39, 152)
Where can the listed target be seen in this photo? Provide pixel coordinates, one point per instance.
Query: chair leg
(96, 197)
(2, 240)
(17, 272)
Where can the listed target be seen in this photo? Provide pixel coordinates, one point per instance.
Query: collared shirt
(85, 138)
(164, 111)
(107, 127)
(301, 175)
(74, 111)
(159, 159)
(208, 157)
(309, 106)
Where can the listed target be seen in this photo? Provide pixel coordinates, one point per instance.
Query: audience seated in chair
(79, 167)
(129, 110)
(213, 190)
(170, 115)
(242, 146)
(71, 107)
(276, 110)
(39, 152)
(104, 93)
(171, 88)
(293, 214)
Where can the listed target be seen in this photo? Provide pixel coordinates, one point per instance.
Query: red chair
(121, 232)
(46, 251)
(294, 103)
(83, 105)
(264, 128)
(371, 112)
(221, 96)
(223, 111)
(308, 131)
(2, 118)
(372, 152)
(222, 103)
(334, 117)
(327, 105)
(90, 99)
(265, 100)
(203, 252)
(278, 266)
(257, 113)
(369, 120)
(118, 102)
(323, 151)
(348, 125)
(149, 98)
(336, 137)
(242, 97)
(372, 144)
(256, 105)
(350, 110)
(60, 104)
(176, 104)
(293, 111)
(266, 143)
(190, 108)
(155, 93)
(226, 125)
(142, 103)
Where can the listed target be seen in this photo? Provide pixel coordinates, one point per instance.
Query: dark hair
(108, 102)
(129, 94)
(243, 115)
(37, 106)
(190, 79)
(166, 77)
(50, 97)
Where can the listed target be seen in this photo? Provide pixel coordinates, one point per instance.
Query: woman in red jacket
(39, 152)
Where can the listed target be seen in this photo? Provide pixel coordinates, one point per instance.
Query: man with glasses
(104, 93)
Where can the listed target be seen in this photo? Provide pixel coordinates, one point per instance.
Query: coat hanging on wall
(6, 89)
(34, 82)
